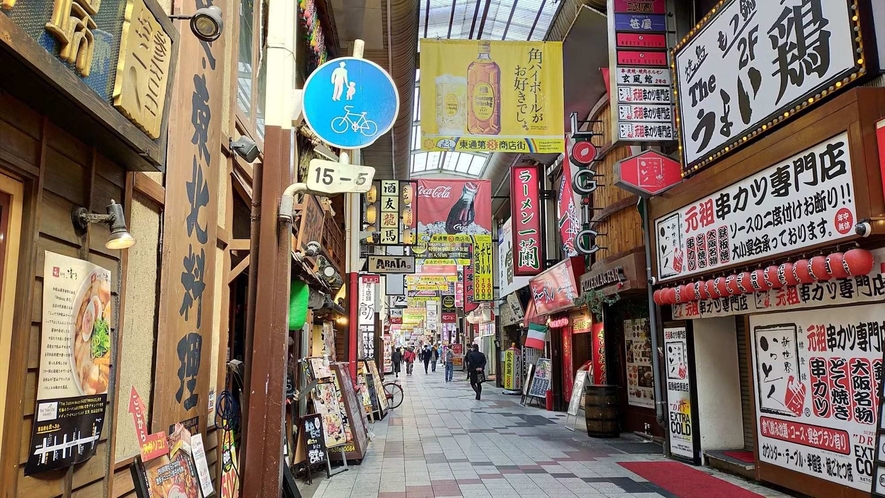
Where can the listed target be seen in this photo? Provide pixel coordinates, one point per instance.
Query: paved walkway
(442, 442)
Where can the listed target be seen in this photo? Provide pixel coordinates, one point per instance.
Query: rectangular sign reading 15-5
(327, 177)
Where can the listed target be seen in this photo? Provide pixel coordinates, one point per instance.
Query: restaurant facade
(768, 255)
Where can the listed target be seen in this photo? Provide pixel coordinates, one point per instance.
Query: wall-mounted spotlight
(206, 23)
(120, 237)
(245, 148)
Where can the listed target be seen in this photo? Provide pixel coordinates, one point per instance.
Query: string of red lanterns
(854, 262)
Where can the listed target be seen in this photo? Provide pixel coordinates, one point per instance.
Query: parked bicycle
(394, 393)
(355, 121)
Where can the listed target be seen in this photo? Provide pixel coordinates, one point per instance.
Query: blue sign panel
(640, 23)
(350, 102)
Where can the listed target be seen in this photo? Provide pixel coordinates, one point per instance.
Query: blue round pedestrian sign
(349, 103)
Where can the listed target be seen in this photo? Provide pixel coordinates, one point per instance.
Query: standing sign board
(640, 378)
(816, 374)
(311, 449)
(637, 40)
(349, 102)
(75, 358)
(750, 66)
(803, 201)
(541, 379)
(577, 393)
(682, 420)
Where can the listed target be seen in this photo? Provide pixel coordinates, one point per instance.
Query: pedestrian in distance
(396, 358)
(476, 362)
(425, 357)
(409, 357)
(434, 357)
(449, 361)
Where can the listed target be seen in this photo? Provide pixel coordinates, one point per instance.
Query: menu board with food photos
(357, 441)
(541, 379)
(640, 378)
(379, 387)
(169, 476)
(76, 347)
(326, 404)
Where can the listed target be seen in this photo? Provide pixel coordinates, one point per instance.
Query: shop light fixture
(206, 23)
(120, 238)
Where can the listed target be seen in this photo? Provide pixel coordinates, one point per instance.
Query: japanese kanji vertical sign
(188, 278)
(755, 63)
(483, 279)
(528, 258)
(641, 100)
(816, 374)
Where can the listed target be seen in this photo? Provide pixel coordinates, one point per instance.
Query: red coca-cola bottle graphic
(463, 213)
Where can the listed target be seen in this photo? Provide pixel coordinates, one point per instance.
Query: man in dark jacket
(396, 358)
(426, 355)
(476, 363)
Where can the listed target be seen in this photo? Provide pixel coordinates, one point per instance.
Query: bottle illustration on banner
(463, 212)
(484, 93)
(451, 105)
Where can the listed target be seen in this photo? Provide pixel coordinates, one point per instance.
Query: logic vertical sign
(528, 255)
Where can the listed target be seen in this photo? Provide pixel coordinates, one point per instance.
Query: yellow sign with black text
(483, 290)
(492, 96)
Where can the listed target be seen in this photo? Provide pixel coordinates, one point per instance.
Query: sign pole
(353, 246)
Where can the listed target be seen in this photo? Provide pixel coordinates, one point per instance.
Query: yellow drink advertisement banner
(492, 96)
(483, 289)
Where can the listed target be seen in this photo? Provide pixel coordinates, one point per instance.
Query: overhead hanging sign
(805, 200)
(507, 281)
(648, 173)
(556, 289)
(491, 96)
(483, 288)
(525, 184)
(391, 264)
(391, 211)
(350, 103)
(641, 102)
(754, 64)
(453, 207)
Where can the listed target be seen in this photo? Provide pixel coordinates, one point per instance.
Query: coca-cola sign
(438, 192)
(454, 207)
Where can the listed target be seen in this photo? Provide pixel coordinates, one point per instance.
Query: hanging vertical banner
(525, 184)
(567, 208)
(600, 373)
(680, 423)
(641, 102)
(75, 358)
(507, 281)
(816, 375)
(491, 96)
(187, 285)
(367, 299)
(483, 280)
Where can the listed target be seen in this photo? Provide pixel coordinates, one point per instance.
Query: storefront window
(245, 61)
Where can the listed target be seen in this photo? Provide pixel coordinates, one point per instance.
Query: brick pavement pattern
(443, 443)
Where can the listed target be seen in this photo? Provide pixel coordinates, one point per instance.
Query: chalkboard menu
(541, 379)
(312, 436)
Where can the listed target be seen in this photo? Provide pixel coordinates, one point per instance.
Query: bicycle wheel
(339, 125)
(394, 394)
(369, 128)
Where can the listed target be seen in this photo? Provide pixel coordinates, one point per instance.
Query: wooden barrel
(602, 411)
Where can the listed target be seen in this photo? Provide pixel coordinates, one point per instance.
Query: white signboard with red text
(815, 375)
(802, 201)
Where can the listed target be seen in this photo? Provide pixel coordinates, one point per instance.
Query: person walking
(476, 362)
(409, 356)
(396, 358)
(425, 357)
(449, 361)
(434, 357)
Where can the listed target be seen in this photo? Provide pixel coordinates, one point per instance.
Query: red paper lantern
(785, 274)
(701, 289)
(757, 280)
(657, 297)
(678, 296)
(670, 295)
(858, 262)
(731, 284)
(817, 267)
(688, 293)
(801, 272)
(711, 289)
(720, 287)
(770, 278)
(744, 282)
(835, 266)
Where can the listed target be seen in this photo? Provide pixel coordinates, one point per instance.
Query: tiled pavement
(441, 442)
